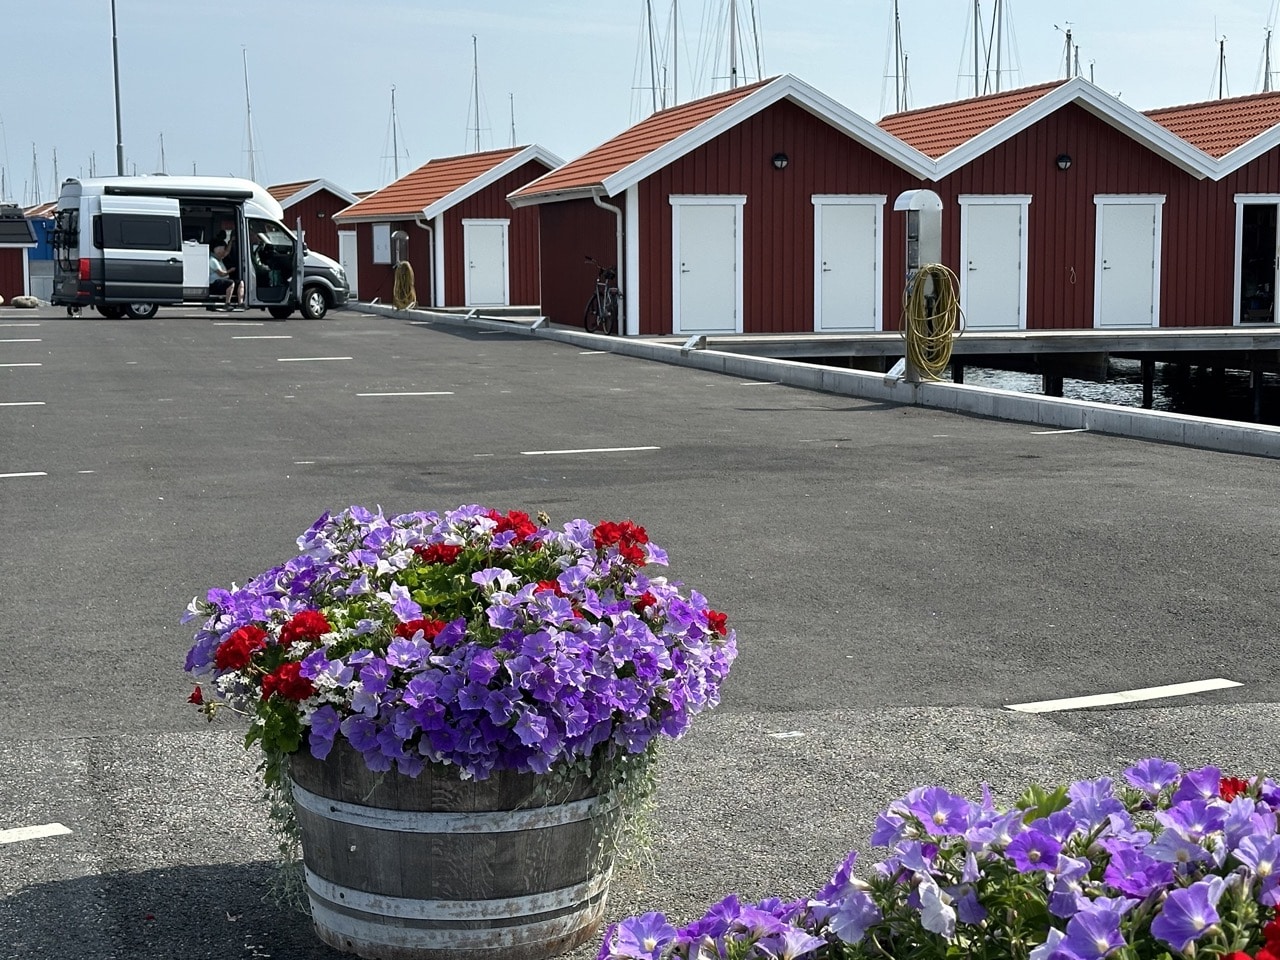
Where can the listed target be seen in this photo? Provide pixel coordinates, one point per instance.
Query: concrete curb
(1227, 436)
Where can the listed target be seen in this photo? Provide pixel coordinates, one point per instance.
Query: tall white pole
(248, 112)
(733, 45)
(115, 61)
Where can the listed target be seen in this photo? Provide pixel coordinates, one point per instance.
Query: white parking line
(1047, 433)
(237, 323)
(19, 324)
(759, 383)
(20, 364)
(420, 393)
(19, 834)
(31, 340)
(306, 359)
(22, 403)
(32, 473)
(543, 453)
(592, 353)
(1123, 696)
(264, 336)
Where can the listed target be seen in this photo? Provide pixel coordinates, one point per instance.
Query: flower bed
(473, 640)
(1165, 864)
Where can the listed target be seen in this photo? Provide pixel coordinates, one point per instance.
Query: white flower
(936, 912)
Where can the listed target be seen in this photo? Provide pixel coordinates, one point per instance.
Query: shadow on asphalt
(212, 912)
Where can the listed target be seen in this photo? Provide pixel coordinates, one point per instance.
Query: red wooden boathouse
(450, 220)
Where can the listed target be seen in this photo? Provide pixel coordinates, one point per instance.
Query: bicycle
(601, 314)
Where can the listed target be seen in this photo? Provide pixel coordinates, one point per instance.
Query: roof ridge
(1211, 104)
(1003, 94)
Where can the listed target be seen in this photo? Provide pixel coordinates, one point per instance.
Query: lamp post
(115, 62)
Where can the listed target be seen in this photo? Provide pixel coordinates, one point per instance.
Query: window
(382, 243)
(123, 231)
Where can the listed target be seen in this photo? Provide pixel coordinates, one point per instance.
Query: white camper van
(127, 245)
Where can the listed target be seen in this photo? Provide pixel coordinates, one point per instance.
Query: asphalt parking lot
(898, 578)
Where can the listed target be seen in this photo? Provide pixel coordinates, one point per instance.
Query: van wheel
(111, 311)
(280, 313)
(314, 303)
(141, 311)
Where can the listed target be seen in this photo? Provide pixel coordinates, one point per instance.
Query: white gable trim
(315, 187)
(490, 176)
(786, 87)
(1107, 108)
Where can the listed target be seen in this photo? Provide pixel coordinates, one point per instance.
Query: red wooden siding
(777, 219)
(571, 230)
(522, 236)
(317, 213)
(378, 280)
(11, 275)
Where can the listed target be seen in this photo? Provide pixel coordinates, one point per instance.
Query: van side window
(132, 232)
(97, 231)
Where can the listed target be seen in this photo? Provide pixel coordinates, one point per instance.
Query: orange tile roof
(937, 130)
(283, 191)
(41, 211)
(1219, 126)
(434, 180)
(635, 143)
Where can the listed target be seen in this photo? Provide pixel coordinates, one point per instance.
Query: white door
(993, 282)
(484, 245)
(1127, 267)
(707, 285)
(347, 257)
(848, 290)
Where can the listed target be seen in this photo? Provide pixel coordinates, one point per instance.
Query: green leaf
(1039, 802)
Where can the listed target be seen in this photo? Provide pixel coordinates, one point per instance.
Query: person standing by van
(221, 281)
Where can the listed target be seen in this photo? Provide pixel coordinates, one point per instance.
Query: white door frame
(1237, 291)
(353, 271)
(997, 199)
(876, 200)
(1102, 200)
(683, 200)
(506, 259)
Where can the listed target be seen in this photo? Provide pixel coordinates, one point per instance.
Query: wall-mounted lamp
(320, 214)
(780, 161)
(1063, 161)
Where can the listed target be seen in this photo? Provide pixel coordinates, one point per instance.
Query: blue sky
(321, 72)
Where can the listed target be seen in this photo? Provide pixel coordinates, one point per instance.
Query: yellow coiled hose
(930, 329)
(403, 294)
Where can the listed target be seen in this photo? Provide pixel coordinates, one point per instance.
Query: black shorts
(221, 285)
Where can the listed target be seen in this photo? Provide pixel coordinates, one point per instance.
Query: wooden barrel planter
(439, 868)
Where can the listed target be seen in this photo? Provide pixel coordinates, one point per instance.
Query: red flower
(718, 622)
(552, 585)
(645, 599)
(305, 625)
(1231, 787)
(429, 628)
(1238, 955)
(197, 696)
(516, 521)
(437, 553)
(235, 652)
(287, 681)
(626, 535)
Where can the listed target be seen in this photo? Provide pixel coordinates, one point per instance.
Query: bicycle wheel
(610, 324)
(591, 319)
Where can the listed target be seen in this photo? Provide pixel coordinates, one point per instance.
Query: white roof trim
(492, 175)
(789, 87)
(572, 193)
(315, 187)
(1107, 108)
(1247, 152)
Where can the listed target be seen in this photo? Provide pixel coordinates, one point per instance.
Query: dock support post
(957, 372)
(1051, 384)
(1148, 383)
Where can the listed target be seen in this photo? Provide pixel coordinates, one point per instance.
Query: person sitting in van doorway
(220, 280)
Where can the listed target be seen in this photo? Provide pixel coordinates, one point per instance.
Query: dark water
(1226, 395)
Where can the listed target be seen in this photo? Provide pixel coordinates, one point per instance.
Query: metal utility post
(115, 60)
(924, 249)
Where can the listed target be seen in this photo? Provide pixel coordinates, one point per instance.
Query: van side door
(141, 243)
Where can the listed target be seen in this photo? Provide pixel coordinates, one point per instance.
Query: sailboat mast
(511, 99)
(54, 185)
(475, 84)
(653, 55)
(675, 54)
(163, 167)
(1266, 64)
(733, 45)
(1222, 65)
(395, 142)
(898, 86)
(977, 32)
(998, 25)
(248, 113)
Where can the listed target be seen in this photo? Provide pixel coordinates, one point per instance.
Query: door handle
(173, 260)
(972, 268)
(1105, 265)
(825, 268)
(684, 269)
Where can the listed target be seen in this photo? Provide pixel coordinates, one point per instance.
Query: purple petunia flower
(1034, 850)
(642, 937)
(940, 811)
(1153, 775)
(1094, 932)
(1187, 913)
